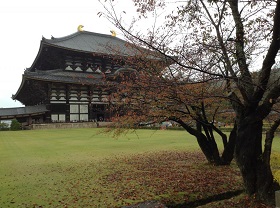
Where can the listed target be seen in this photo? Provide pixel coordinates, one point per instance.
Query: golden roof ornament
(80, 28)
(114, 34)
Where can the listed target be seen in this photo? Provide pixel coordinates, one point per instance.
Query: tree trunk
(229, 147)
(256, 174)
(209, 149)
(207, 144)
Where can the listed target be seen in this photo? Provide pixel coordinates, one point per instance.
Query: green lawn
(81, 167)
(43, 146)
(33, 162)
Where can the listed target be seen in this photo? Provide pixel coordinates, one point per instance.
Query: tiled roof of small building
(21, 111)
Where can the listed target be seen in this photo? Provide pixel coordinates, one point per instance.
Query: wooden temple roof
(60, 75)
(89, 44)
(33, 90)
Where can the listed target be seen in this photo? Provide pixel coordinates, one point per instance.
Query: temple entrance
(100, 117)
(98, 112)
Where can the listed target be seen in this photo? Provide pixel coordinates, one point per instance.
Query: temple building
(71, 79)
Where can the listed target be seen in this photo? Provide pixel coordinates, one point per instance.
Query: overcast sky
(24, 22)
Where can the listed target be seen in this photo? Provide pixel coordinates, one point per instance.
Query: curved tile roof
(91, 42)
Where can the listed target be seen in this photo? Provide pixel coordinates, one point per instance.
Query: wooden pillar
(277, 199)
(29, 120)
(90, 107)
(48, 105)
(67, 111)
(48, 113)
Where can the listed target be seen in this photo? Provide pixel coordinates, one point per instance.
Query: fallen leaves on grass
(170, 177)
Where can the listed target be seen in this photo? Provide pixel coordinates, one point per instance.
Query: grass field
(84, 168)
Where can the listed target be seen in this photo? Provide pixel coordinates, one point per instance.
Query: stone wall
(277, 199)
(69, 125)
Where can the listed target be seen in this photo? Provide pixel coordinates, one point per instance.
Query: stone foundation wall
(277, 199)
(69, 125)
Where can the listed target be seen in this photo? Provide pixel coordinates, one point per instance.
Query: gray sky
(23, 23)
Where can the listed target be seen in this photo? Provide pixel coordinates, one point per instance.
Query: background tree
(226, 41)
(4, 126)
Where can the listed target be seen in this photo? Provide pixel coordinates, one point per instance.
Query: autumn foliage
(221, 52)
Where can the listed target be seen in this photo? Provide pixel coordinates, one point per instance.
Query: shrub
(15, 125)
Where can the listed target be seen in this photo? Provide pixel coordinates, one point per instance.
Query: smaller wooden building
(25, 115)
